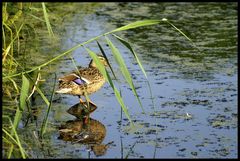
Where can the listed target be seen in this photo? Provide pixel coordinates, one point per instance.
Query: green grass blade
(123, 69)
(42, 95)
(181, 32)
(132, 25)
(127, 44)
(74, 64)
(100, 66)
(120, 101)
(87, 99)
(10, 151)
(10, 46)
(34, 84)
(4, 37)
(23, 104)
(102, 51)
(35, 17)
(17, 118)
(22, 151)
(47, 20)
(103, 71)
(16, 140)
(15, 85)
(45, 121)
(136, 24)
(24, 92)
(9, 136)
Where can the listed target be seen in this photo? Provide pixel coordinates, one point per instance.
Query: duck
(84, 81)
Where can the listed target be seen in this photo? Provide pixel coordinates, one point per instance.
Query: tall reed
(13, 27)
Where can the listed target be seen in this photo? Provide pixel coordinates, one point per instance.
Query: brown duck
(83, 81)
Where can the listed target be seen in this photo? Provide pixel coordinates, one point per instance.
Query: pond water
(192, 112)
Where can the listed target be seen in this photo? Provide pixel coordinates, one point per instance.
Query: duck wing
(90, 74)
(75, 78)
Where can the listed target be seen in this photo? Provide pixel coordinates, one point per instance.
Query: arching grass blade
(181, 32)
(102, 51)
(13, 138)
(22, 104)
(104, 72)
(123, 69)
(136, 24)
(45, 121)
(127, 44)
(47, 20)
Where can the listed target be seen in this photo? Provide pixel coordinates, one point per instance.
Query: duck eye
(60, 81)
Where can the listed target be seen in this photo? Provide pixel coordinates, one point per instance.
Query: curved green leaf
(45, 121)
(123, 69)
(47, 20)
(129, 26)
(24, 92)
(103, 71)
(136, 24)
(127, 44)
(102, 51)
(15, 139)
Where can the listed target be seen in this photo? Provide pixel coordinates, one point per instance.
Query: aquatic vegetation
(16, 31)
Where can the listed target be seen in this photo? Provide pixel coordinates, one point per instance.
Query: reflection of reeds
(130, 150)
(121, 147)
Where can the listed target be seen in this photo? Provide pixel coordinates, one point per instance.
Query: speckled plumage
(90, 78)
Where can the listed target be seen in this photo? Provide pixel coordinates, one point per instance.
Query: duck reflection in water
(82, 111)
(91, 133)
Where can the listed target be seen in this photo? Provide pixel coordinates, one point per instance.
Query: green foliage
(45, 121)
(103, 53)
(136, 24)
(108, 78)
(12, 139)
(24, 92)
(12, 28)
(47, 20)
(127, 44)
(123, 68)
(21, 107)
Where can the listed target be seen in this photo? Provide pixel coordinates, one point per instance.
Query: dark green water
(195, 93)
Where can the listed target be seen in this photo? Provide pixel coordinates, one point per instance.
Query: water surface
(193, 112)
